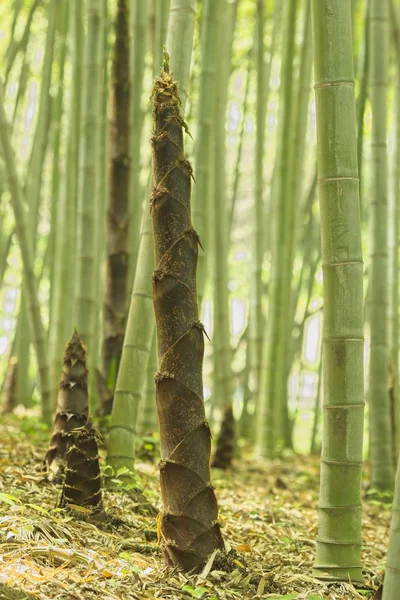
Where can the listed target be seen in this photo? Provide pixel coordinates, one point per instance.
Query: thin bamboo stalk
(273, 379)
(25, 243)
(221, 329)
(117, 238)
(140, 324)
(203, 146)
(138, 48)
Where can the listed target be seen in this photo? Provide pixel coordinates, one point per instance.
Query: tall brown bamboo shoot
(189, 526)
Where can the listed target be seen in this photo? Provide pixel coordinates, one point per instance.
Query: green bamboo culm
(226, 19)
(32, 191)
(255, 311)
(102, 194)
(137, 63)
(393, 224)
(59, 278)
(85, 283)
(148, 413)
(378, 396)
(362, 73)
(117, 259)
(15, 47)
(339, 534)
(391, 583)
(134, 358)
(140, 325)
(25, 243)
(202, 159)
(273, 379)
(57, 126)
(64, 242)
(189, 526)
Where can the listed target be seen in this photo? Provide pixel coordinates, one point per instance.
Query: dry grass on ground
(268, 514)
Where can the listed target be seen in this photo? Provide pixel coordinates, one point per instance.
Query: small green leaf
(8, 498)
(195, 592)
(117, 481)
(125, 556)
(38, 508)
(123, 471)
(108, 471)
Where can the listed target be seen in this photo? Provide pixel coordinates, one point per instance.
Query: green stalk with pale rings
(85, 290)
(60, 234)
(339, 533)
(391, 582)
(393, 224)
(378, 297)
(137, 60)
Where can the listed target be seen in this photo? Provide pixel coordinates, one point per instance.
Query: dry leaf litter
(268, 513)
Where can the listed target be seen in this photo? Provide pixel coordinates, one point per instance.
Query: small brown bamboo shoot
(72, 406)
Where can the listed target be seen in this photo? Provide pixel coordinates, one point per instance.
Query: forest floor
(268, 517)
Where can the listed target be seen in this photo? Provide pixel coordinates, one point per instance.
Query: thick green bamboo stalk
(392, 574)
(189, 528)
(140, 325)
(64, 243)
(85, 290)
(117, 259)
(25, 244)
(273, 378)
(378, 397)
(137, 60)
(394, 232)
(339, 533)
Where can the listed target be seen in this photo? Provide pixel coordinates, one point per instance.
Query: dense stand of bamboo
(77, 243)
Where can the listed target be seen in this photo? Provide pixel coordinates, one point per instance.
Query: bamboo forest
(199, 299)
